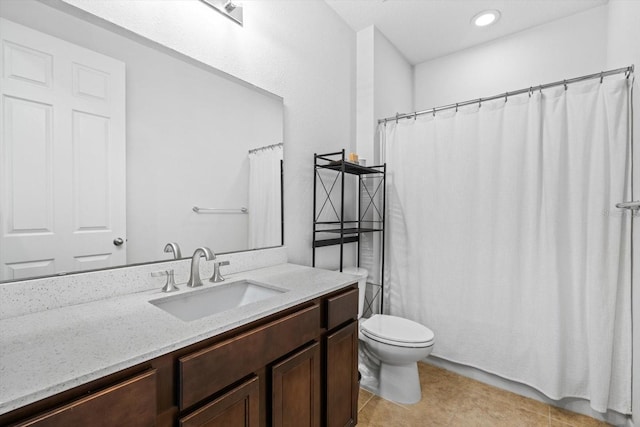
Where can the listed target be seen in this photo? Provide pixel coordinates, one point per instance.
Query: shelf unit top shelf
(351, 168)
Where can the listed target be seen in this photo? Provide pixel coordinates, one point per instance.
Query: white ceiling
(427, 29)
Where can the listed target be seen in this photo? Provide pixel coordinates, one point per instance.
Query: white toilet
(396, 344)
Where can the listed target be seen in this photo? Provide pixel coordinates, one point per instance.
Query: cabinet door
(342, 376)
(237, 408)
(296, 389)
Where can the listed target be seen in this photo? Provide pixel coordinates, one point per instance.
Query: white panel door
(62, 148)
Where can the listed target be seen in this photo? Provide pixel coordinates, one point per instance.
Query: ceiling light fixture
(228, 8)
(486, 18)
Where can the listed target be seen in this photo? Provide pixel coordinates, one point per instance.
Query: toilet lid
(396, 329)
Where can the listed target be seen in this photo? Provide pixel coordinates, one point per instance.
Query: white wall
(187, 138)
(365, 93)
(565, 48)
(393, 81)
(385, 87)
(301, 51)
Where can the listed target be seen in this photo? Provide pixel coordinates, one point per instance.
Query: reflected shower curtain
(265, 197)
(504, 239)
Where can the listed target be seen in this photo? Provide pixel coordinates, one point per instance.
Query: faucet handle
(170, 286)
(217, 277)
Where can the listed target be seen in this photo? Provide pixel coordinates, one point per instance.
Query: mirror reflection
(113, 146)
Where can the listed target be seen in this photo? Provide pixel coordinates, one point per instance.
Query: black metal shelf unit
(329, 170)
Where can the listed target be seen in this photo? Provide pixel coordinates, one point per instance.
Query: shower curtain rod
(266, 147)
(530, 90)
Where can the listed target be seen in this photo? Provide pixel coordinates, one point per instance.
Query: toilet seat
(397, 331)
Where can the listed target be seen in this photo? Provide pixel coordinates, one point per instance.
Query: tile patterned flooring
(449, 399)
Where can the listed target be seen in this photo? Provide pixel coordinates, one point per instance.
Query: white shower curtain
(504, 239)
(265, 198)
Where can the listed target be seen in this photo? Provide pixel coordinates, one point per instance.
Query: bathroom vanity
(287, 360)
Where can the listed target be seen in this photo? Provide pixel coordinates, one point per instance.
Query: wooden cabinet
(341, 359)
(296, 389)
(207, 371)
(296, 368)
(238, 407)
(342, 376)
(128, 403)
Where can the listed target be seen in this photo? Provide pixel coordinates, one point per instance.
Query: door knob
(118, 241)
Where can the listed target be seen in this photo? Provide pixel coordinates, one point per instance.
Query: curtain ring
(415, 115)
(434, 111)
(565, 85)
(540, 89)
(506, 94)
(601, 76)
(479, 102)
(397, 114)
(456, 107)
(530, 91)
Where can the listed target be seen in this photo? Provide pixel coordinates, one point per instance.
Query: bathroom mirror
(192, 137)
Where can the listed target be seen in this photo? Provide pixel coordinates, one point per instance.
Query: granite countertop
(47, 352)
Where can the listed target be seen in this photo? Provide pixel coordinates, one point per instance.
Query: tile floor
(450, 399)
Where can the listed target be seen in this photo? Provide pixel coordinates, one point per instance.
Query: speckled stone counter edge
(35, 295)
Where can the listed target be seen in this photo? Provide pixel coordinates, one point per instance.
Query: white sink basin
(205, 302)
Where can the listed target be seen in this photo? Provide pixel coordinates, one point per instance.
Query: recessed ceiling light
(485, 18)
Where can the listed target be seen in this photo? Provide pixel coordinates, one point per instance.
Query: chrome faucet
(175, 248)
(194, 279)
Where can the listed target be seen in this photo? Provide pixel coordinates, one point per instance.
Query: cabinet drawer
(129, 403)
(341, 308)
(239, 407)
(209, 370)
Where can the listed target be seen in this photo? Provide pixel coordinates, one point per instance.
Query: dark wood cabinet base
(297, 367)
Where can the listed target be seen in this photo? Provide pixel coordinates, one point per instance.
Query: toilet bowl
(389, 350)
(398, 344)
